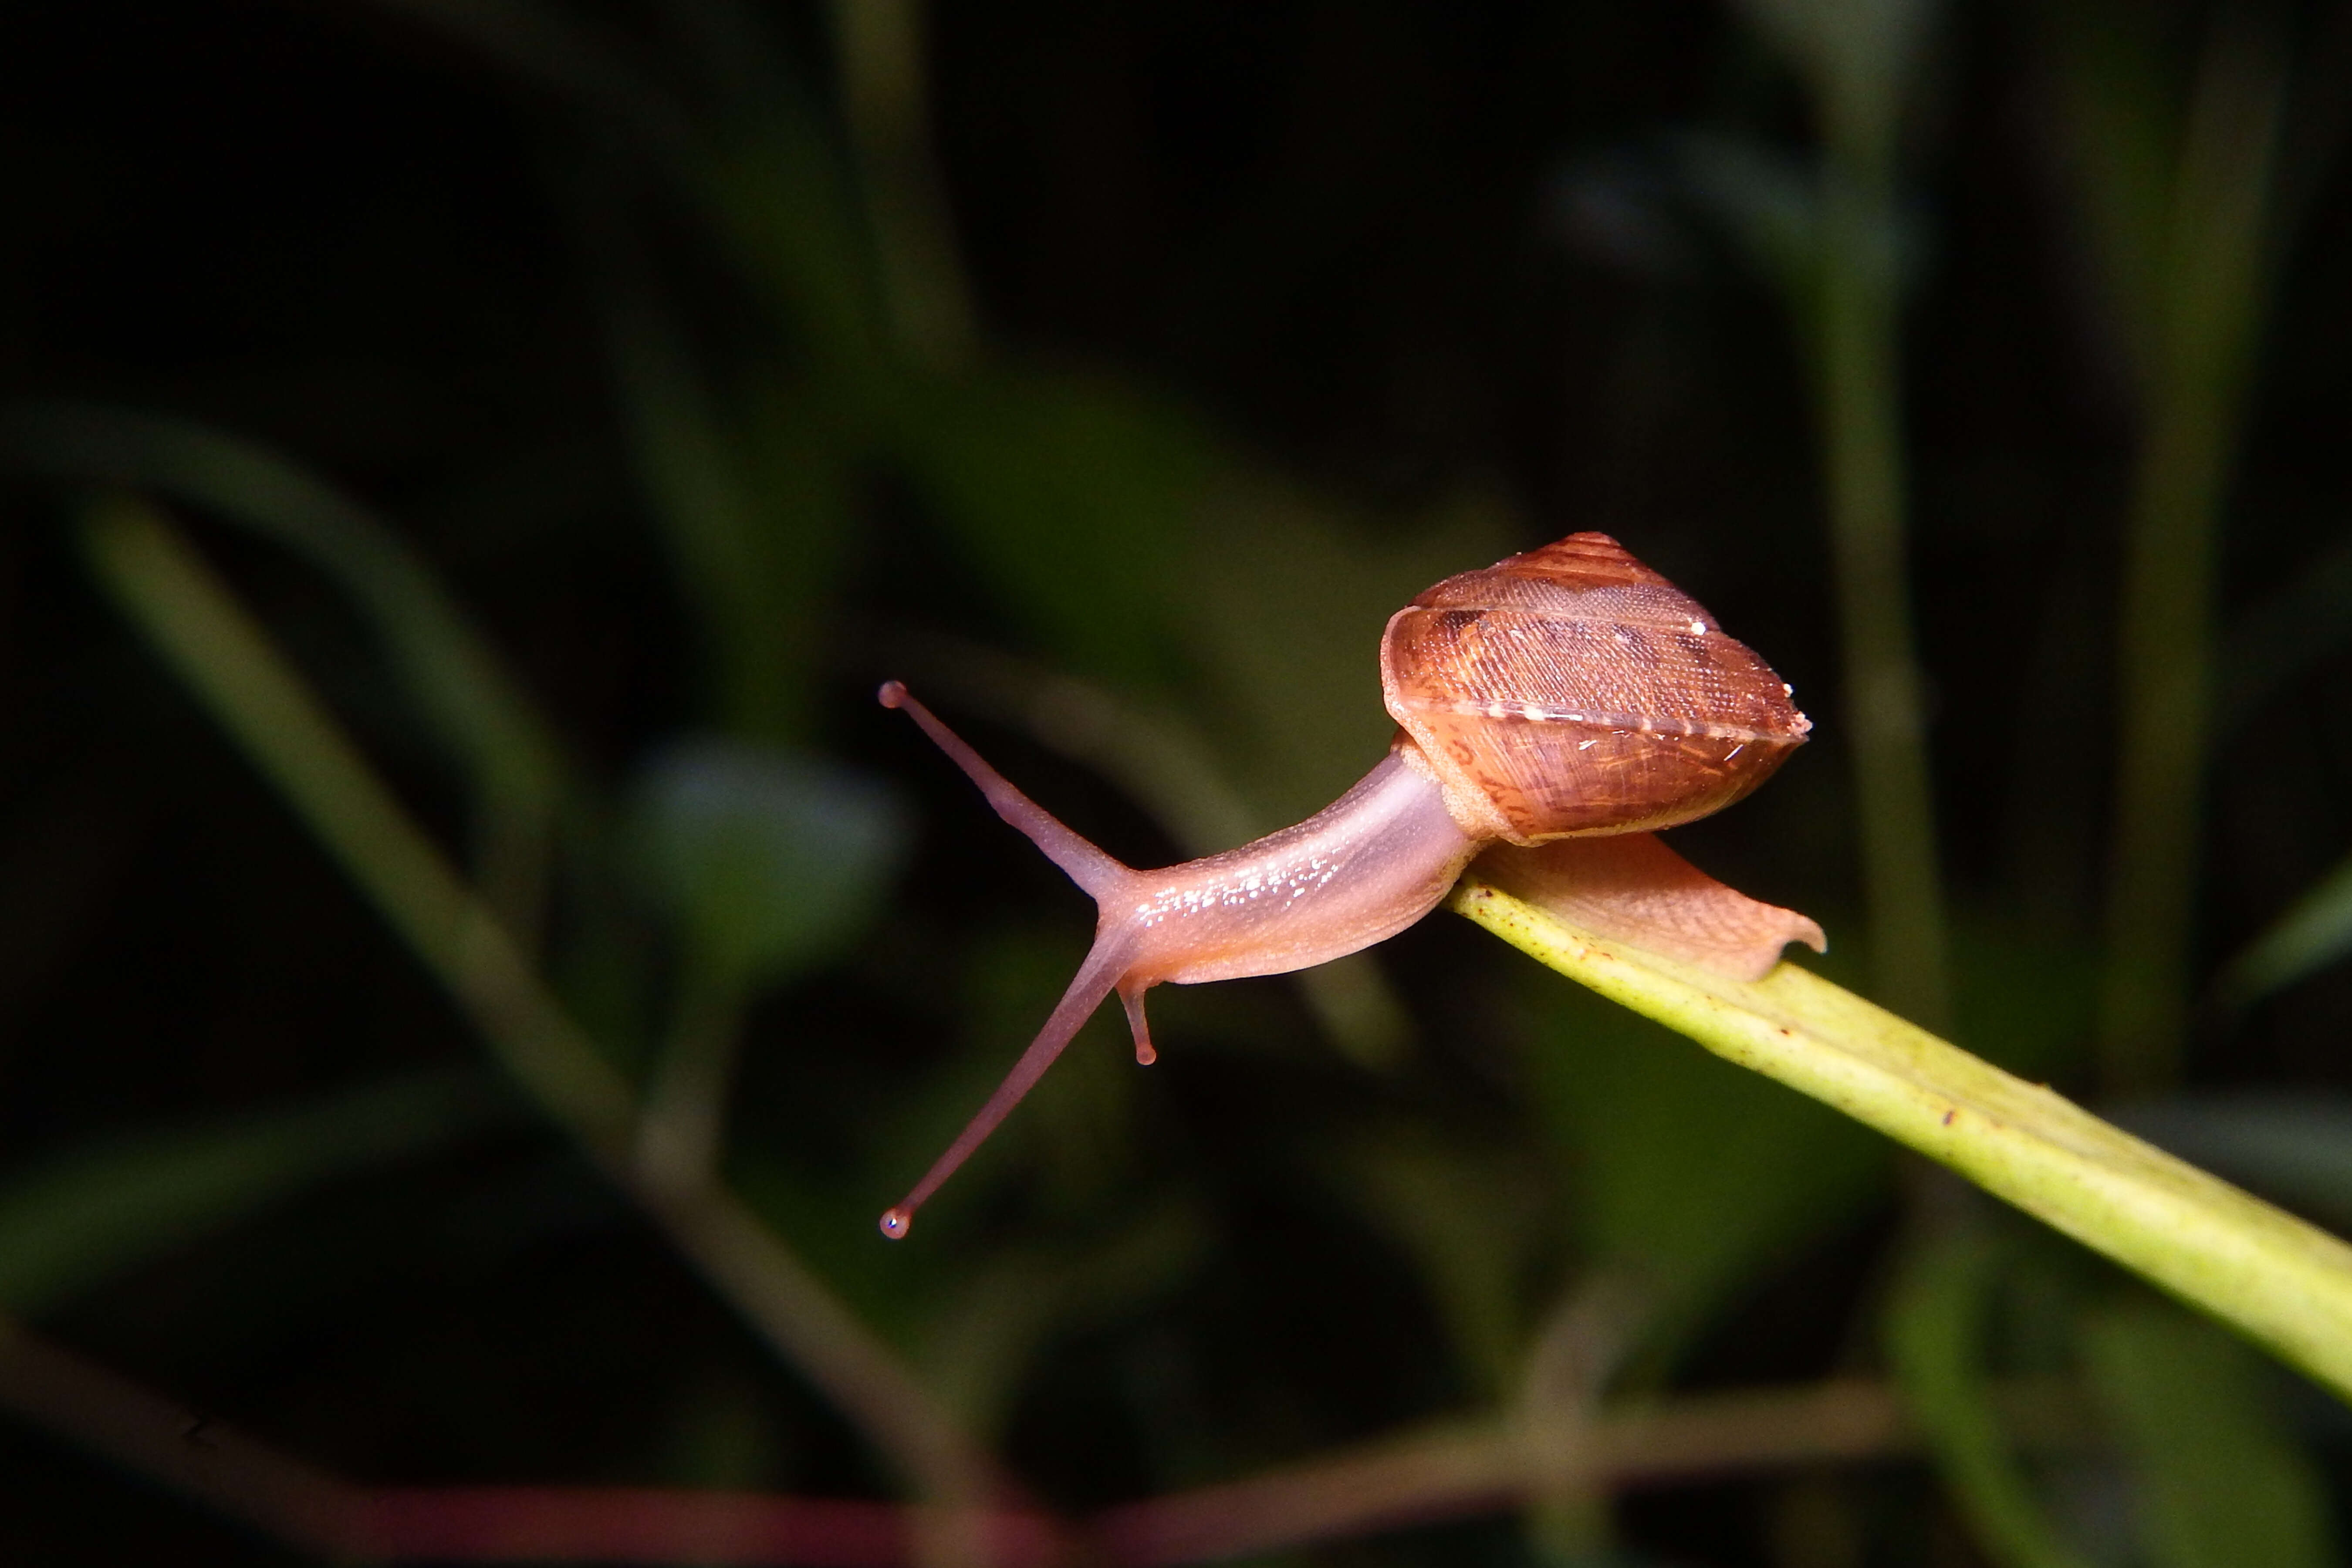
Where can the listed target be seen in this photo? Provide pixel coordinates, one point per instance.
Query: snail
(1560, 707)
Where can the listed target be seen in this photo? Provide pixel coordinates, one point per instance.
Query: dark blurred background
(593, 402)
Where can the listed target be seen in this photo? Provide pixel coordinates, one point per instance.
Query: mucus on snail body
(1559, 706)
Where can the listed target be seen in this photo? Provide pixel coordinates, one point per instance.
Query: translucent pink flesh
(1632, 888)
(1095, 981)
(1088, 867)
(1357, 872)
(1132, 996)
(1360, 870)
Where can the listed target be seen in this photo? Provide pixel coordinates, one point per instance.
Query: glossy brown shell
(1571, 691)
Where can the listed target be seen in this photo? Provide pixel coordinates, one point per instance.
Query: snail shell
(1572, 691)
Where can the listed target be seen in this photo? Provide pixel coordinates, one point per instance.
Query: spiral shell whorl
(1571, 691)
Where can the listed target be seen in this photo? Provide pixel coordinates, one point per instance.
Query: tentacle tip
(892, 695)
(1145, 1056)
(895, 1223)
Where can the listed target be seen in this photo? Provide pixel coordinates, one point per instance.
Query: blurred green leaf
(1467, 1217)
(722, 1435)
(1691, 1174)
(880, 60)
(1937, 1321)
(749, 156)
(2118, 133)
(2026, 1001)
(233, 667)
(89, 1216)
(2223, 1485)
(2314, 931)
(1764, 200)
(451, 670)
(2296, 1149)
(1280, 602)
(1858, 56)
(988, 1326)
(772, 860)
(1857, 59)
(2302, 620)
(751, 495)
(1621, 205)
(2179, 188)
(560, 50)
(778, 200)
(1072, 499)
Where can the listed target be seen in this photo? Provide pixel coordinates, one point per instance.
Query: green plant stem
(726, 543)
(185, 610)
(452, 676)
(2213, 272)
(105, 1414)
(1858, 322)
(2284, 1283)
(1858, 62)
(1936, 1338)
(1457, 1471)
(1462, 1469)
(231, 666)
(879, 50)
(1559, 1408)
(681, 1131)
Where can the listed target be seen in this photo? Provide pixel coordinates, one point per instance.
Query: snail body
(1568, 693)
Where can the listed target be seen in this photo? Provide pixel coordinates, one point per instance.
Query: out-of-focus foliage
(2204, 1461)
(1689, 1177)
(102, 1211)
(592, 402)
(767, 860)
(1937, 1330)
(2220, 1482)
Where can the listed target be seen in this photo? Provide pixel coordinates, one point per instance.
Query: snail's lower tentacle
(1097, 978)
(1131, 994)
